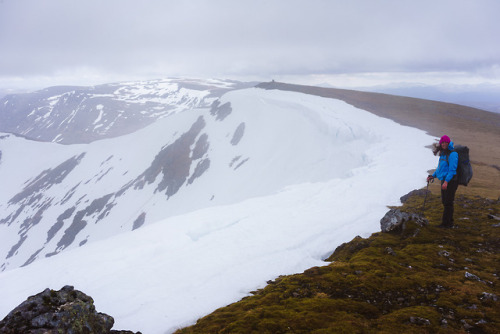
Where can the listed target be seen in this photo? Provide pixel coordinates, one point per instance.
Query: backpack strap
(448, 156)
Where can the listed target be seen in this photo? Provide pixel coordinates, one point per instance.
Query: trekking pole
(426, 192)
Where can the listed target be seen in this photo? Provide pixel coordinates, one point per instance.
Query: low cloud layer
(92, 40)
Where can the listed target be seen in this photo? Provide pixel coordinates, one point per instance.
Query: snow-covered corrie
(317, 173)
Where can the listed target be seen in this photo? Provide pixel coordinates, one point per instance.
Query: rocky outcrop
(64, 311)
(416, 192)
(395, 220)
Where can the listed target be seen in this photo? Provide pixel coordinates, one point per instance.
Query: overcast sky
(355, 42)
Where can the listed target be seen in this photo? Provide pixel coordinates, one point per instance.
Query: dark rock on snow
(64, 311)
(395, 219)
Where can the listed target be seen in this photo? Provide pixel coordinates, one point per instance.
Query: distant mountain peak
(72, 114)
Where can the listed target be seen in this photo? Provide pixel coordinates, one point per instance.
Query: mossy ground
(423, 280)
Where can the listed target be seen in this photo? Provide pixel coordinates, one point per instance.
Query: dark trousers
(448, 199)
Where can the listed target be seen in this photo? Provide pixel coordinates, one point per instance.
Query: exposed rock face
(64, 311)
(238, 134)
(174, 162)
(395, 219)
(221, 111)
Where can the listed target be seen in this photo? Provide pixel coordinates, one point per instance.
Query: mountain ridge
(79, 114)
(83, 192)
(263, 162)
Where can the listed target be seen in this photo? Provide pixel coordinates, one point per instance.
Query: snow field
(319, 173)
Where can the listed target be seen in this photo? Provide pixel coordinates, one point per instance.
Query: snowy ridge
(71, 115)
(170, 222)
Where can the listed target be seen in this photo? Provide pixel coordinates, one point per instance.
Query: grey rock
(472, 276)
(490, 216)
(64, 311)
(417, 192)
(395, 219)
(390, 251)
(489, 296)
(419, 321)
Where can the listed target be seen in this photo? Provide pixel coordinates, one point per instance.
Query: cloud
(225, 38)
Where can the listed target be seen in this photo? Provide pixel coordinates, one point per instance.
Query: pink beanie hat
(444, 139)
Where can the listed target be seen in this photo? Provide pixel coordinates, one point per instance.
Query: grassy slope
(417, 281)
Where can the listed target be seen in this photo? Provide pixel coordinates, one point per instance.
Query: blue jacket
(447, 168)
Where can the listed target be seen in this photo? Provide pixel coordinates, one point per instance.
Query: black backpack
(464, 168)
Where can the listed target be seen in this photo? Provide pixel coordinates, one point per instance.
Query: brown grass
(475, 128)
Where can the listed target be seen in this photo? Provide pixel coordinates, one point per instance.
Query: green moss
(411, 282)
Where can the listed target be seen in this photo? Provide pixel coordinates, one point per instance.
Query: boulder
(416, 192)
(395, 220)
(64, 311)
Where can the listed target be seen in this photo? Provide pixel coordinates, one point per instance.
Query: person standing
(446, 172)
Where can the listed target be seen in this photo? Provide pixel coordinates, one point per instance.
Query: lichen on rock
(64, 311)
